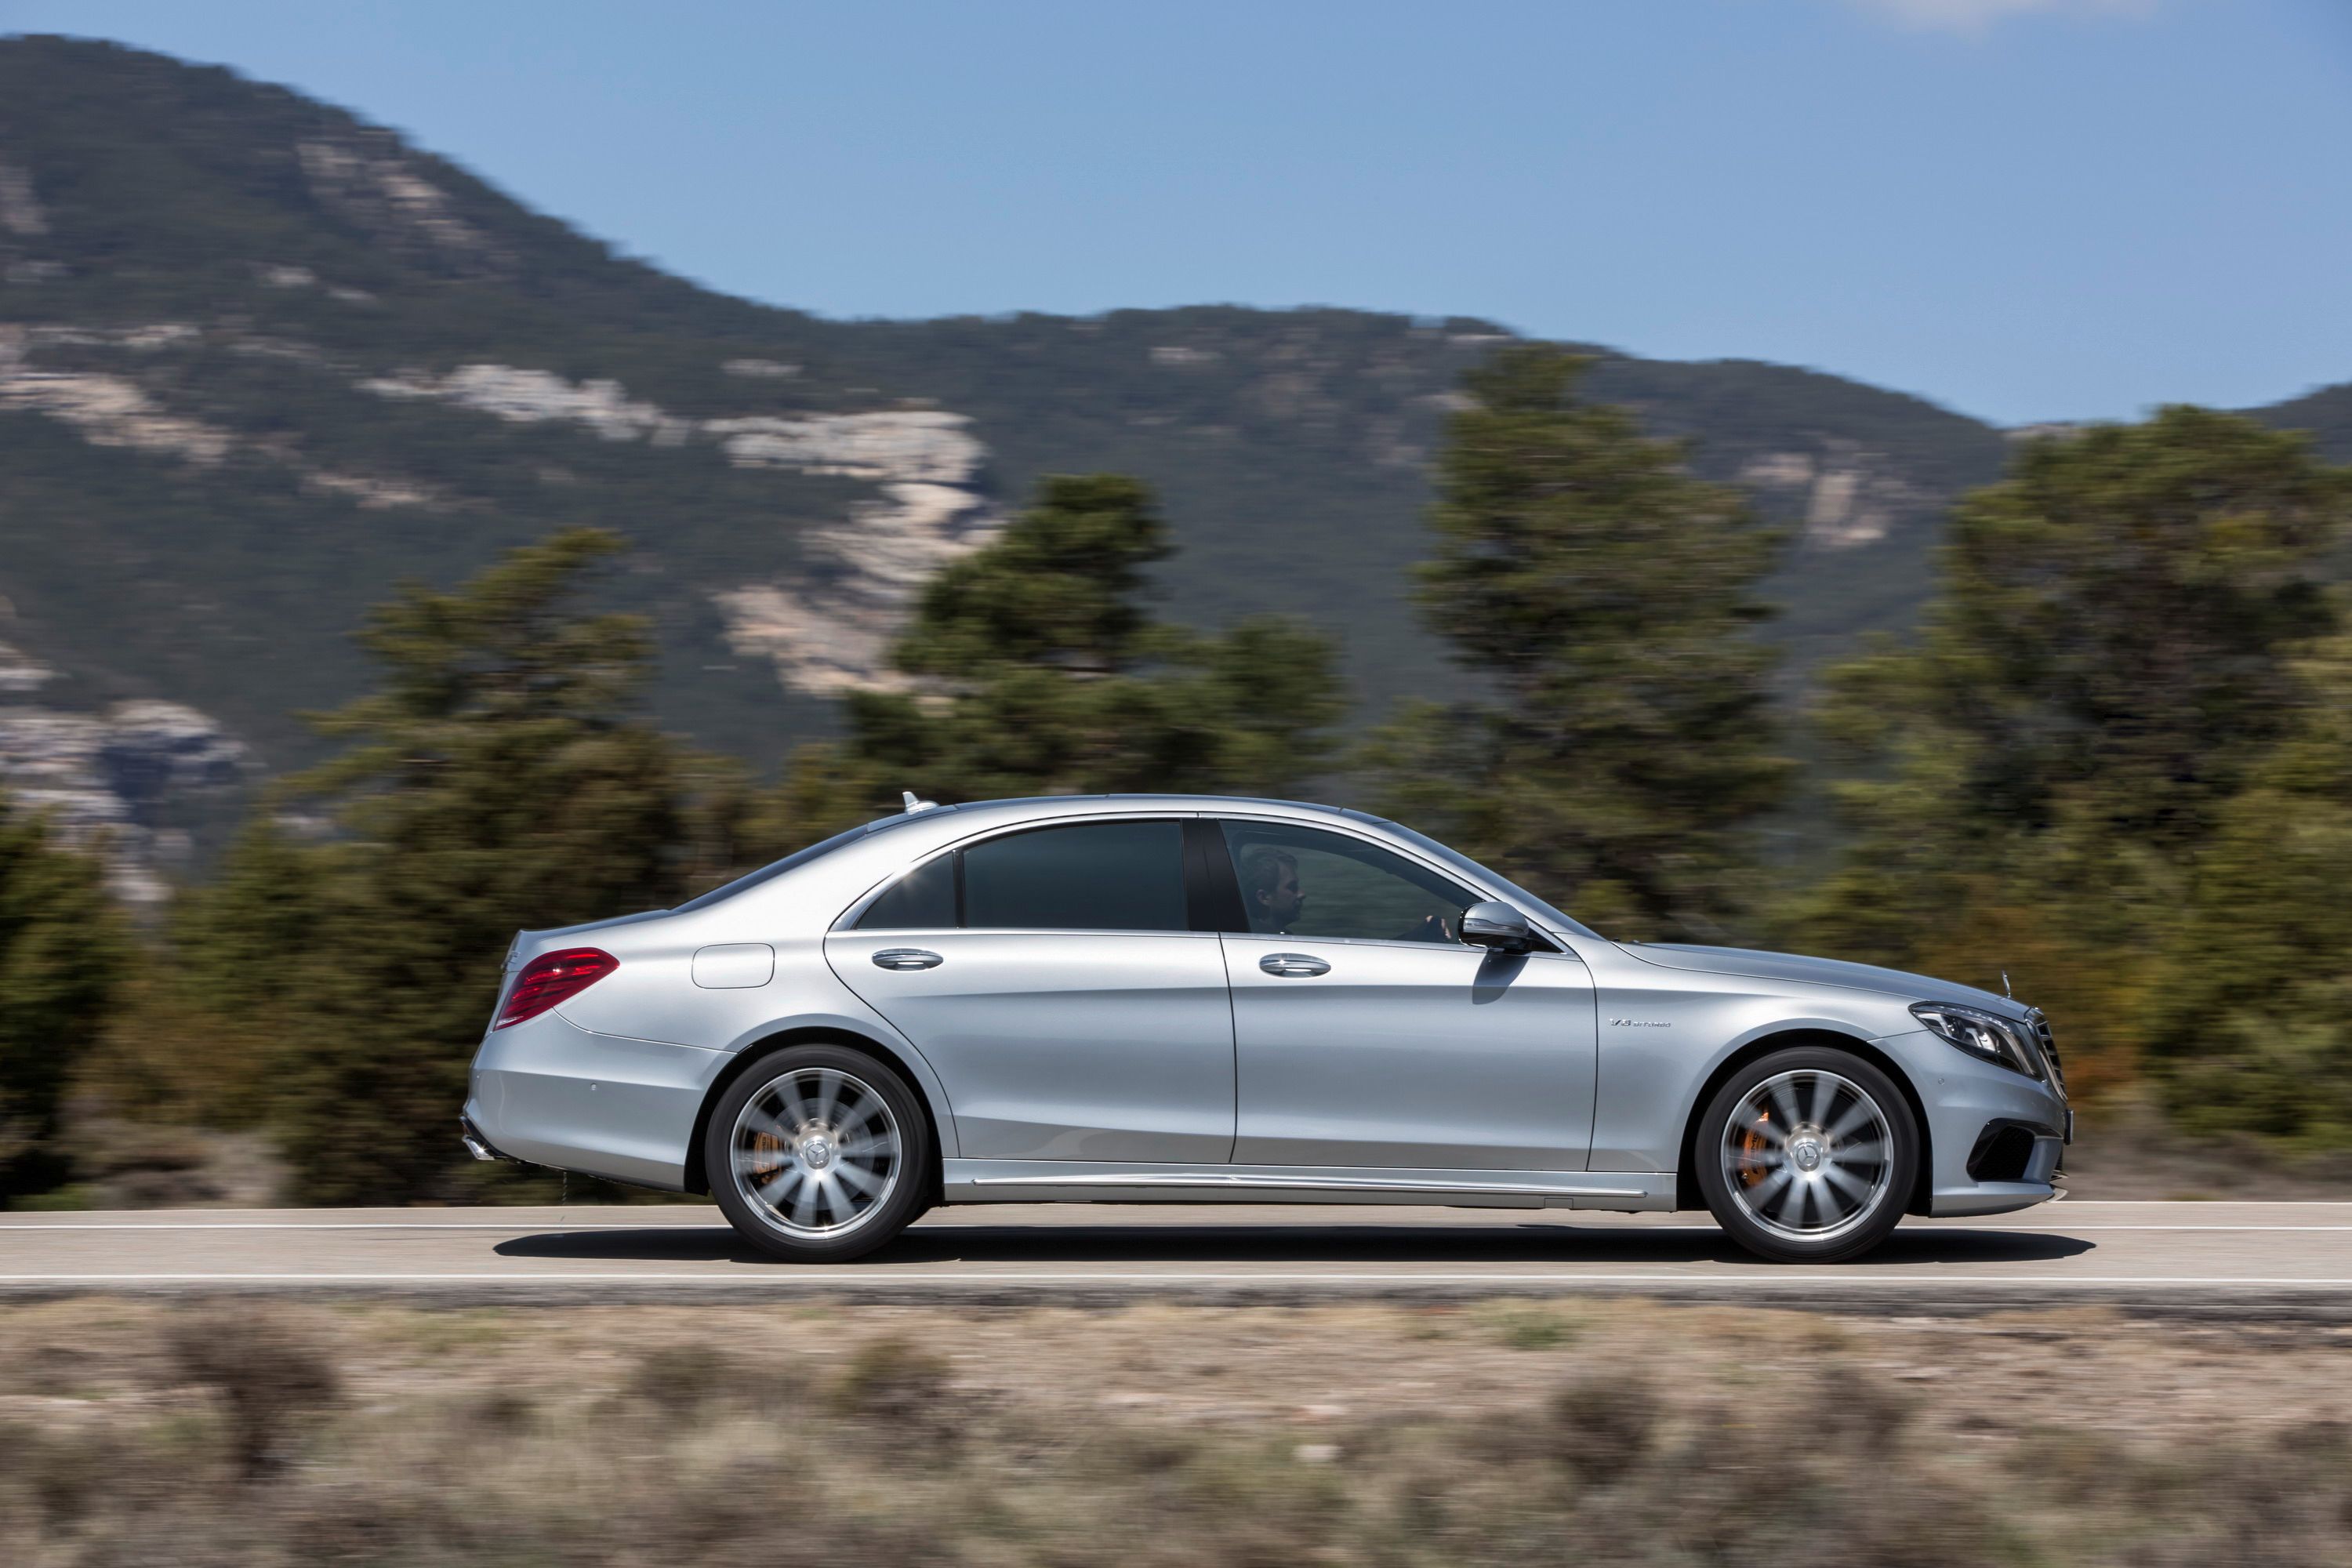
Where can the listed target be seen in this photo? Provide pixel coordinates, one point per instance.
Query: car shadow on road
(1402, 1247)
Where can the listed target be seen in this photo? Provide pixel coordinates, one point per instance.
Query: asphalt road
(2294, 1255)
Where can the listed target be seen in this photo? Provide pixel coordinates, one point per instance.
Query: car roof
(1036, 804)
(858, 854)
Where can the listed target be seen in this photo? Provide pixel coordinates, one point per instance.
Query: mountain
(260, 360)
(2325, 415)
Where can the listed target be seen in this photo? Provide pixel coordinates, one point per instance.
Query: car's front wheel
(1808, 1156)
(818, 1154)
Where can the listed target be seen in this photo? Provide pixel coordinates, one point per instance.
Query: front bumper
(1964, 1098)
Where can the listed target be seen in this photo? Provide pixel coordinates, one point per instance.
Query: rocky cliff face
(1841, 494)
(830, 631)
(826, 632)
(104, 778)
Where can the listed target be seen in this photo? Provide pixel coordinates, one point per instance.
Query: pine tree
(499, 778)
(2117, 649)
(2252, 1031)
(1606, 599)
(1039, 669)
(62, 955)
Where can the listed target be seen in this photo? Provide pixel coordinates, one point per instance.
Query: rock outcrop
(103, 778)
(831, 631)
(826, 632)
(1846, 495)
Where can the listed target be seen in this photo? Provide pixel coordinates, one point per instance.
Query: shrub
(270, 1373)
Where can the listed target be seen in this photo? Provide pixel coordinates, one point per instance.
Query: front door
(1366, 1034)
(1051, 978)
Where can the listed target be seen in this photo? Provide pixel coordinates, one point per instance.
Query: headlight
(1997, 1039)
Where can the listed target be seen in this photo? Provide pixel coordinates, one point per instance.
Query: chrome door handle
(1293, 965)
(907, 958)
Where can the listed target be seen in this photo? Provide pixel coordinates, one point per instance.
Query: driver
(1270, 889)
(1271, 893)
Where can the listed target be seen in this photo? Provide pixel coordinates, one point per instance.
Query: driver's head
(1270, 887)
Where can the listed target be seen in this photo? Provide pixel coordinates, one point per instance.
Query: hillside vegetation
(234, 334)
(260, 360)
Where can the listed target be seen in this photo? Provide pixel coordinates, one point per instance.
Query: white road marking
(380, 1224)
(870, 1274)
(1989, 1221)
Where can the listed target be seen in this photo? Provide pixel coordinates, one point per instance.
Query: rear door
(1051, 978)
(1366, 1035)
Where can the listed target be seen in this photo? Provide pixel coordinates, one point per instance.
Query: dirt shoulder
(1504, 1431)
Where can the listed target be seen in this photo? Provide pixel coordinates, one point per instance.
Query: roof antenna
(914, 806)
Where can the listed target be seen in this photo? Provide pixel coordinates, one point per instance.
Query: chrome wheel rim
(1808, 1154)
(816, 1152)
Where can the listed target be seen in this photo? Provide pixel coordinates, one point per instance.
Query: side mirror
(1498, 927)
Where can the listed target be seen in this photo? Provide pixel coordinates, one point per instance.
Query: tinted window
(923, 899)
(1550, 914)
(1096, 875)
(1301, 881)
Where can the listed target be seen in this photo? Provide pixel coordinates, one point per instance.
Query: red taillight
(553, 978)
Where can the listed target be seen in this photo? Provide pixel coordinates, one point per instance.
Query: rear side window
(1095, 876)
(923, 899)
(793, 862)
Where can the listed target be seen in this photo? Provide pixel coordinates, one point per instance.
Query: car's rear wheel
(1808, 1156)
(819, 1153)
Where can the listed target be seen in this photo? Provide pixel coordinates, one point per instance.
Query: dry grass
(271, 1376)
(1162, 1437)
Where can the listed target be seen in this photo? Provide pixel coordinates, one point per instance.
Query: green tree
(2118, 618)
(200, 1040)
(1034, 666)
(62, 953)
(2249, 1031)
(501, 778)
(2115, 651)
(1607, 601)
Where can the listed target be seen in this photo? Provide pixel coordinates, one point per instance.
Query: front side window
(1511, 891)
(1093, 875)
(1302, 881)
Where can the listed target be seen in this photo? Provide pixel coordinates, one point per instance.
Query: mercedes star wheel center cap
(1806, 1153)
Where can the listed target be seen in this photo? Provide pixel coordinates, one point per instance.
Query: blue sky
(2025, 209)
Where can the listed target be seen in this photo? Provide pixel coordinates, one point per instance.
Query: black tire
(905, 1175)
(1883, 1155)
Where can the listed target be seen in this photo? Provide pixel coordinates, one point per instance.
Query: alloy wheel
(1808, 1154)
(816, 1152)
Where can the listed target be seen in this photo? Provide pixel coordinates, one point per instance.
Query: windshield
(1528, 904)
(792, 862)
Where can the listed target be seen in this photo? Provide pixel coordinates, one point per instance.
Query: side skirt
(1078, 1181)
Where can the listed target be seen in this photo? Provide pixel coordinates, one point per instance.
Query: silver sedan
(1174, 998)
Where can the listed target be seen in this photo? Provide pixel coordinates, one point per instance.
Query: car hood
(1820, 971)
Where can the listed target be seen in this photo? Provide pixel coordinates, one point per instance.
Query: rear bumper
(476, 1141)
(547, 1092)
